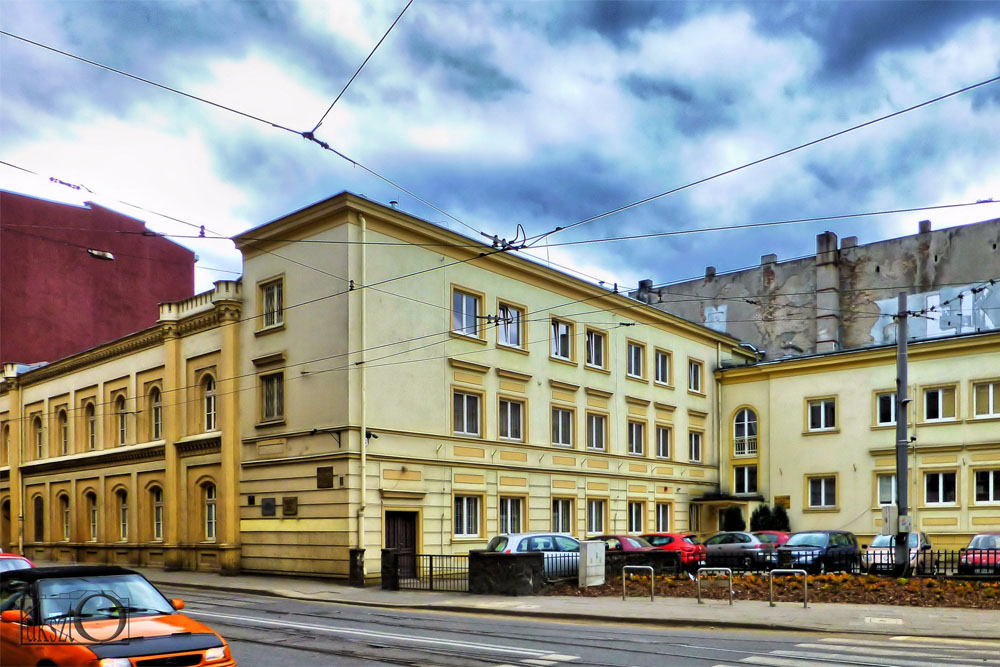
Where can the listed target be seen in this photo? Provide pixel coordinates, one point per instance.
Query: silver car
(562, 552)
(738, 550)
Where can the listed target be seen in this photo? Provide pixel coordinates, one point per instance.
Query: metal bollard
(652, 578)
(805, 585)
(727, 570)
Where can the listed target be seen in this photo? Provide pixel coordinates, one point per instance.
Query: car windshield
(99, 597)
(985, 542)
(807, 540)
(8, 564)
(498, 543)
(638, 542)
(691, 539)
(890, 541)
(767, 538)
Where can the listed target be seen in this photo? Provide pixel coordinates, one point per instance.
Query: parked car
(737, 550)
(982, 556)
(880, 556)
(562, 552)
(819, 551)
(773, 537)
(10, 562)
(690, 547)
(623, 543)
(111, 615)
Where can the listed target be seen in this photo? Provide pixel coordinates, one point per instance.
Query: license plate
(983, 570)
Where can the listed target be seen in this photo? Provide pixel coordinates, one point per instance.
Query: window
(562, 427)
(745, 479)
(634, 352)
(464, 313)
(694, 517)
(510, 321)
(64, 512)
(92, 515)
(208, 396)
(988, 486)
(886, 488)
(466, 516)
(39, 512)
(595, 349)
(91, 418)
(986, 399)
(595, 516)
(885, 409)
(939, 404)
(663, 442)
(511, 418)
(272, 397)
(694, 446)
(636, 438)
(822, 492)
(636, 510)
(122, 498)
(596, 428)
(562, 337)
(36, 428)
(694, 375)
(272, 303)
(663, 367)
(122, 420)
(940, 488)
(157, 494)
(63, 433)
(662, 517)
(745, 433)
(210, 509)
(510, 515)
(562, 515)
(156, 414)
(466, 413)
(822, 414)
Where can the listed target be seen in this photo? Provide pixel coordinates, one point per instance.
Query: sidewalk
(943, 622)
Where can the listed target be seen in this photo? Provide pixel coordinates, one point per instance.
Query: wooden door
(401, 533)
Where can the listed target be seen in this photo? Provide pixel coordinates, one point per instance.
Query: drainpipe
(723, 469)
(364, 387)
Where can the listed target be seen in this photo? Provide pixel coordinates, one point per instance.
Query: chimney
(768, 259)
(645, 291)
(925, 226)
(827, 293)
(709, 272)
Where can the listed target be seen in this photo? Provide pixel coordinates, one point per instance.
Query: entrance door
(401, 533)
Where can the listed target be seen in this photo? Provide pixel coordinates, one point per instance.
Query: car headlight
(217, 653)
(115, 662)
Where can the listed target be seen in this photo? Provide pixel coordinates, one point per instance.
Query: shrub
(732, 519)
(761, 519)
(779, 519)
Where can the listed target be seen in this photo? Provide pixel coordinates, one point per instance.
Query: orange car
(99, 616)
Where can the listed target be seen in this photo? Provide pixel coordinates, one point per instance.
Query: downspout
(723, 474)
(364, 387)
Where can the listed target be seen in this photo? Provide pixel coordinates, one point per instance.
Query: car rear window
(985, 542)
(498, 543)
(659, 540)
(767, 538)
(9, 564)
(691, 539)
(637, 542)
(808, 540)
(567, 543)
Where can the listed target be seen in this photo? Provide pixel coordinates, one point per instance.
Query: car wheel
(747, 563)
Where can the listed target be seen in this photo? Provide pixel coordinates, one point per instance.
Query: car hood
(145, 635)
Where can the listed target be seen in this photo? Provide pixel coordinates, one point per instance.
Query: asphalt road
(276, 632)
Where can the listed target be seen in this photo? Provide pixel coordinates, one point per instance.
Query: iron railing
(431, 572)
(745, 446)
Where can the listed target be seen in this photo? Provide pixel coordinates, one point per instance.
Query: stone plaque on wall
(784, 501)
(267, 507)
(324, 477)
(289, 506)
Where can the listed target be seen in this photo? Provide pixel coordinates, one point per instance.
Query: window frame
(603, 514)
(890, 394)
(64, 511)
(555, 336)
(38, 432)
(940, 475)
(750, 442)
(90, 424)
(635, 350)
(209, 404)
(823, 506)
(121, 505)
(480, 417)
(38, 517)
(992, 486)
(479, 506)
(746, 470)
(669, 430)
(570, 503)
(460, 329)
(659, 352)
(602, 336)
(821, 401)
(121, 421)
(155, 413)
(520, 322)
(522, 410)
(604, 417)
(209, 499)
(893, 489)
(510, 501)
(572, 425)
(992, 399)
(635, 447)
(156, 494)
(696, 380)
(635, 513)
(268, 413)
(271, 304)
(664, 513)
(93, 515)
(696, 435)
(940, 389)
(63, 420)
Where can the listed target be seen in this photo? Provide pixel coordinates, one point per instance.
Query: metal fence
(965, 563)
(429, 572)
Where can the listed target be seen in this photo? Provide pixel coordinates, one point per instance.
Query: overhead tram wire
(307, 135)
(534, 239)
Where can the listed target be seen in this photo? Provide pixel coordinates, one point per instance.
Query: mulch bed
(849, 588)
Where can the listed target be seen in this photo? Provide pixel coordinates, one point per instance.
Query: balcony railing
(745, 446)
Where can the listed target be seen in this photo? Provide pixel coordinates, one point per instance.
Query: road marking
(560, 658)
(540, 663)
(947, 640)
(373, 634)
(904, 651)
(896, 643)
(852, 658)
(778, 662)
(883, 621)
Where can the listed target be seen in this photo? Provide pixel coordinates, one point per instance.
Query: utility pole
(902, 554)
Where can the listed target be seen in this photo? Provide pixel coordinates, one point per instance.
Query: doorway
(401, 533)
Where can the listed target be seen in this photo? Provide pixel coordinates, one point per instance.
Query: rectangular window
(694, 517)
(663, 442)
(886, 488)
(466, 516)
(157, 514)
(635, 360)
(988, 486)
(272, 304)
(823, 414)
(464, 313)
(66, 521)
(595, 516)
(662, 367)
(92, 511)
(511, 419)
(886, 409)
(510, 515)
(562, 427)
(662, 518)
(745, 479)
(562, 515)
(636, 438)
(562, 339)
(466, 413)
(694, 375)
(272, 396)
(940, 488)
(595, 349)
(210, 512)
(822, 492)
(694, 447)
(939, 404)
(986, 399)
(596, 428)
(636, 512)
(510, 321)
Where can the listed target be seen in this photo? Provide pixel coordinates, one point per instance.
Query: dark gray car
(819, 551)
(737, 550)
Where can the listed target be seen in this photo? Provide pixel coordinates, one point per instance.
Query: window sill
(563, 360)
(271, 422)
(597, 369)
(883, 427)
(466, 538)
(939, 422)
(596, 450)
(637, 455)
(663, 385)
(269, 330)
(825, 431)
(636, 378)
(985, 418)
(562, 445)
(745, 456)
(512, 348)
(468, 337)
(695, 392)
(940, 506)
(817, 510)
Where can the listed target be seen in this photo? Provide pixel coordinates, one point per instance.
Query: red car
(691, 548)
(773, 537)
(982, 556)
(10, 562)
(623, 542)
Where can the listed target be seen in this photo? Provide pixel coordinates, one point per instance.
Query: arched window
(36, 429)
(156, 414)
(64, 513)
(122, 498)
(209, 492)
(39, 511)
(157, 496)
(63, 433)
(208, 392)
(4, 444)
(91, 417)
(122, 419)
(92, 515)
(745, 433)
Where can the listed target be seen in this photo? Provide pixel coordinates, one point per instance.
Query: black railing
(429, 572)
(561, 565)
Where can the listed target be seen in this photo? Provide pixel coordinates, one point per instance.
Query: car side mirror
(178, 603)
(925, 547)
(864, 546)
(14, 616)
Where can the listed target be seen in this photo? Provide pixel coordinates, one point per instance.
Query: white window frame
(742, 473)
(663, 512)
(272, 396)
(940, 476)
(824, 491)
(694, 375)
(156, 412)
(594, 434)
(821, 403)
(695, 446)
(595, 515)
(461, 421)
(272, 303)
(939, 394)
(893, 491)
(157, 514)
(992, 399)
(466, 516)
(63, 432)
(39, 438)
(595, 349)
(91, 416)
(210, 493)
(510, 515)
(562, 431)
(464, 322)
(208, 390)
(562, 515)
(509, 326)
(663, 437)
(64, 506)
(890, 396)
(992, 486)
(634, 356)
(92, 515)
(562, 339)
(636, 511)
(121, 414)
(510, 420)
(122, 499)
(663, 361)
(745, 433)
(636, 438)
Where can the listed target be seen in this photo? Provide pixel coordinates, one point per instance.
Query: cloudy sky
(499, 114)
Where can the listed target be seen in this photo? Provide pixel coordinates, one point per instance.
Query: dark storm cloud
(615, 21)
(693, 110)
(468, 70)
